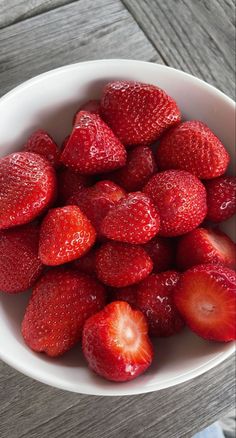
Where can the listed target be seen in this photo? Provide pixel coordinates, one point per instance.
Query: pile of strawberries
(114, 231)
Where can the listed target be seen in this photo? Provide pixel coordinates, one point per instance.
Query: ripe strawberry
(87, 263)
(20, 265)
(41, 143)
(92, 106)
(69, 183)
(155, 300)
(139, 168)
(27, 187)
(134, 219)
(116, 344)
(221, 198)
(65, 234)
(97, 201)
(128, 294)
(61, 302)
(192, 146)
(205, 297)
(119, 264)
(205, 245)
(138, 113)
(92, 146)
(162, 252)
(180, 199)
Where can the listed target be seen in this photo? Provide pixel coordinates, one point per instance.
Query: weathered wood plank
(30, 409)
(194, 36)
(18, 10)
(76, 32)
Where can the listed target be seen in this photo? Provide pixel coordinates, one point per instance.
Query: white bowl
(49, 101)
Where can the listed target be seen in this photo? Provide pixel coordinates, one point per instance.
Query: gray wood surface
(38, 35)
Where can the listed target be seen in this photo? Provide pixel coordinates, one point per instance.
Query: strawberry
(221, 198)
(65, 234)
(119, 264)
(41, 143)
(134, 219)
(61, 302)
(192, 146)
(69, 183)
(180, 199)
(139, 168)
(86, 263)
(20, 265)
(27, 188)
(205, 245)
(116, 344)
(97, 201)
(162, 252)
(128, 294)
(155, 300)
(92, 146)
(205, 297)
(64, 143)
(92, 106)
(138, 113)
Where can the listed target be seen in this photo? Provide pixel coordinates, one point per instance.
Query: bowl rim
(120, 391)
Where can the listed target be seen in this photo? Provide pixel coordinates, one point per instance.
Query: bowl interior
(49, 101)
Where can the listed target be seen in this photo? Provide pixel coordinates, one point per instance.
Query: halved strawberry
(92, 106)
(128, 294)
(40, 142)
(119, 264)
(221, 198)
(162, 252)
(205, 296)
(205, 245)
(65, 234)
(116, 344)
(134, 219)
(69, 183)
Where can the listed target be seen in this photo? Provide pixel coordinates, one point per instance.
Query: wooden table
(196, 36)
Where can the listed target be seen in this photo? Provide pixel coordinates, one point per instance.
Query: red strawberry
(116, 344)
(41, 143)
(221, 198)
(180, 199)
(139, 168)
(192, 146)
(66, 234)
(138, 113)
(69, 183)
(205, 297)
(120, 264)
(92, 146)
(205, 245)
(61, 302)
(162, 253)
(133, 220)
(128, 294)
(97, 201)
(155, 300)
(64, 143)
(86, 263)
(20, 265)
(92, 106)
(27, 188)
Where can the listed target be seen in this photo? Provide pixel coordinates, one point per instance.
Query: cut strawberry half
(116, 344)
(206, 298)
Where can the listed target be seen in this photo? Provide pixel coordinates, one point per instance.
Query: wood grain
(194, 36)
(29, 409)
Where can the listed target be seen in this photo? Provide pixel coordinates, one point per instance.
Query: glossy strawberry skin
(221, 198)
(128, 294)
(69, 183)
(134, 219)
(162, 252)
(61, 302)
(92, 147)
(27, 188)
(155, 300)
(193, 147)
(92, 106)
(41, 143)
(138, 113)
(109, 351)
(65, 234)
(205, 245)
(96, 201)
(180, 198)
(120, 264)
(205, 297)
(20, 265)
(139, 168)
